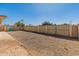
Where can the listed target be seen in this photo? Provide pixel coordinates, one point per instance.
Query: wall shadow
(56, 35)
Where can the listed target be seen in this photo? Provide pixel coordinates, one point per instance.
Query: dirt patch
(38, 44)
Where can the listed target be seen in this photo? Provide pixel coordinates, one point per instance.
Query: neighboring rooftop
(2, 17)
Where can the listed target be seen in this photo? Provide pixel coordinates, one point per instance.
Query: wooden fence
(63, 30)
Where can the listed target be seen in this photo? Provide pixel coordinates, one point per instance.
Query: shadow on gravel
(57, 36)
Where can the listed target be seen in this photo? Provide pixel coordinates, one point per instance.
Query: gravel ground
(41, 45)
(10, 47)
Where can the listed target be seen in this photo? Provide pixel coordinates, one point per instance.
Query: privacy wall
(63, 30)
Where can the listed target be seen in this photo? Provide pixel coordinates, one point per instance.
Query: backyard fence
(63, 30)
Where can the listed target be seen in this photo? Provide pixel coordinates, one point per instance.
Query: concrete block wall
(64, 30)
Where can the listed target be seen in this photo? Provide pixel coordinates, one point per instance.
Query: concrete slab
(10, 47)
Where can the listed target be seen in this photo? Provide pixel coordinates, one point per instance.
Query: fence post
(37, 28)
(78, 31)
(46, 29)
(55, 29)
(70, 30)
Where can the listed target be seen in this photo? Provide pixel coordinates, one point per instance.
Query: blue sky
(37, 13)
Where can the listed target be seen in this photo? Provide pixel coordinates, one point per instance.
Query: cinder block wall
(63, 30)
(74, 31)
